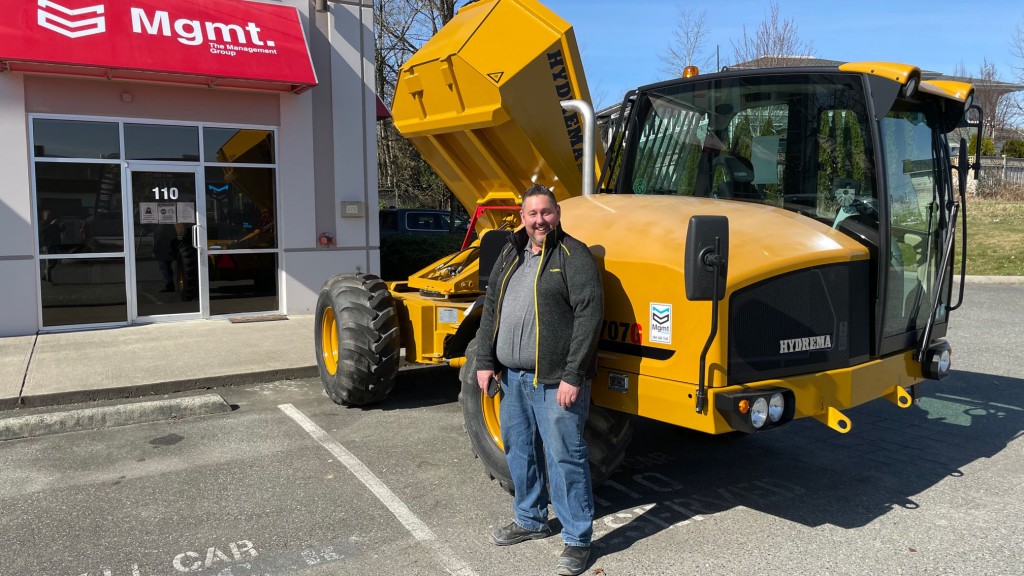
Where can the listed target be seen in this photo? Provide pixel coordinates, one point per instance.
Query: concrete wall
(18, 300)
(344, 152)
(88, 97)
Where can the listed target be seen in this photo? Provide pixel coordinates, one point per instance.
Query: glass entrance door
(169, 269)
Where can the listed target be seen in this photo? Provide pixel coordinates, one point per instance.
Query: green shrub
(1014, 148)
(402, 255)
(988, 147)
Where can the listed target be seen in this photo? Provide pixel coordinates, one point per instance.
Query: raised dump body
(485, 112)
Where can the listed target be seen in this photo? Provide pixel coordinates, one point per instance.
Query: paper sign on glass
(187, 212)
(148, 213)
(166, 214)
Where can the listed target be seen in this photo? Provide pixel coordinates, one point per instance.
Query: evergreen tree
(1013, 148)
(741, 138)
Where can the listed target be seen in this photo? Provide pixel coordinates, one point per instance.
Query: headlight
(776, 406)
(910, 87)
(944, 361)
(969, 101)
(754, 410)
(936, 362)
(759, 412)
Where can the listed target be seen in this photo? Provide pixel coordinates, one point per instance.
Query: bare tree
(402, 27)
(774, 43)
(438, 13)
(1017, 49)
(992, 101)
(995, 100)
(688, 44)
(1013, 101)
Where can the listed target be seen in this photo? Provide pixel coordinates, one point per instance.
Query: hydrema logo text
(72, 22)
(805, 344)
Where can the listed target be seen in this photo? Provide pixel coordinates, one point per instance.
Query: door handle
(195, 237)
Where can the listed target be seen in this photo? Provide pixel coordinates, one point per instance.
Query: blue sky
(621, 40)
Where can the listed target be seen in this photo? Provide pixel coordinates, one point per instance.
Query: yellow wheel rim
(492, 417)
(329, 340)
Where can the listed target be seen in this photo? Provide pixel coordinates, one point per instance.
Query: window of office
(238, 146)
(75, 139)
(161, 142)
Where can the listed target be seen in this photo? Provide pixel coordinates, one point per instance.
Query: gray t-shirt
(517, 328)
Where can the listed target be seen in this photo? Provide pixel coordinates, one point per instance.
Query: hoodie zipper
(536, 314)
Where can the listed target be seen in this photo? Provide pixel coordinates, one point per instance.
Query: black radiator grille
(810, 320)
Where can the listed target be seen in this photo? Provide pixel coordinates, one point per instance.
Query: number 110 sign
(165, 193)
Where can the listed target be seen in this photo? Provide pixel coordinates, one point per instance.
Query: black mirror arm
(714, 259)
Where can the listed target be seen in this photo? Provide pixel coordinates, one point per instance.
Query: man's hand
(483, 379)
(566, 394)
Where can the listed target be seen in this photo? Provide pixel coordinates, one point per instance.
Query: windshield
(796, 141)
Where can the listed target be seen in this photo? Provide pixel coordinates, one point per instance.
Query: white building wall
(18, 302)
(351, 152)
(305, 265)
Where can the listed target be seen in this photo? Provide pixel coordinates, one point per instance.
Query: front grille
(805, 321)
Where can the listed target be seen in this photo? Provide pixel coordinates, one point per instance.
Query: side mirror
(707, 256)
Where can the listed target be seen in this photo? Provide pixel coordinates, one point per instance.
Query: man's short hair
(538, 190)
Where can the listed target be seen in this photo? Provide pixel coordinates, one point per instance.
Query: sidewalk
(134, 361)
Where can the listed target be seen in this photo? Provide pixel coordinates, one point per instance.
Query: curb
(110, 416)
(156, 388)
(990, 279)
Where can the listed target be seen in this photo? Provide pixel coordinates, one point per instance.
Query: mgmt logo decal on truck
(661, 323)
(74, 23)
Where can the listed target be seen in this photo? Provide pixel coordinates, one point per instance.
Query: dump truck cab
(841, 208)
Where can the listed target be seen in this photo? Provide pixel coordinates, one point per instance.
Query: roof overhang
(212, 43)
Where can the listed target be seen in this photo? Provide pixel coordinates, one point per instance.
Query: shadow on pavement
(805, 472)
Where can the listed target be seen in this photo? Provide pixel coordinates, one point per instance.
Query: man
(539, 329)
(165, 244)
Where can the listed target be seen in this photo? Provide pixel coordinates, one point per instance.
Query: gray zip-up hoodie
(569, 308)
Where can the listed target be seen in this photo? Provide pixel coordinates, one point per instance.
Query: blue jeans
(547, 456)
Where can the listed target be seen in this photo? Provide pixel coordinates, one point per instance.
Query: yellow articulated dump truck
(774, 244)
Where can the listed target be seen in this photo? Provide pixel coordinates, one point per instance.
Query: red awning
(216, 43)
(382, 110)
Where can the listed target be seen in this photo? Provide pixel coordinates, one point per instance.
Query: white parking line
(452, 563)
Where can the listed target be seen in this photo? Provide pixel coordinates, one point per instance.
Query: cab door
(918, 185)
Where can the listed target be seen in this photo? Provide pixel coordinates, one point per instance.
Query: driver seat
(739, 176)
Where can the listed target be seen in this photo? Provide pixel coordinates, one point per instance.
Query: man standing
(539, 329)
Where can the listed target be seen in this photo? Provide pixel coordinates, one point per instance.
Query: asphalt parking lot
(289, 483)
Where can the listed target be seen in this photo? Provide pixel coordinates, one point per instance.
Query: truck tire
(188, 271)
(480, 414)
(608, 433)
(357, 339)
